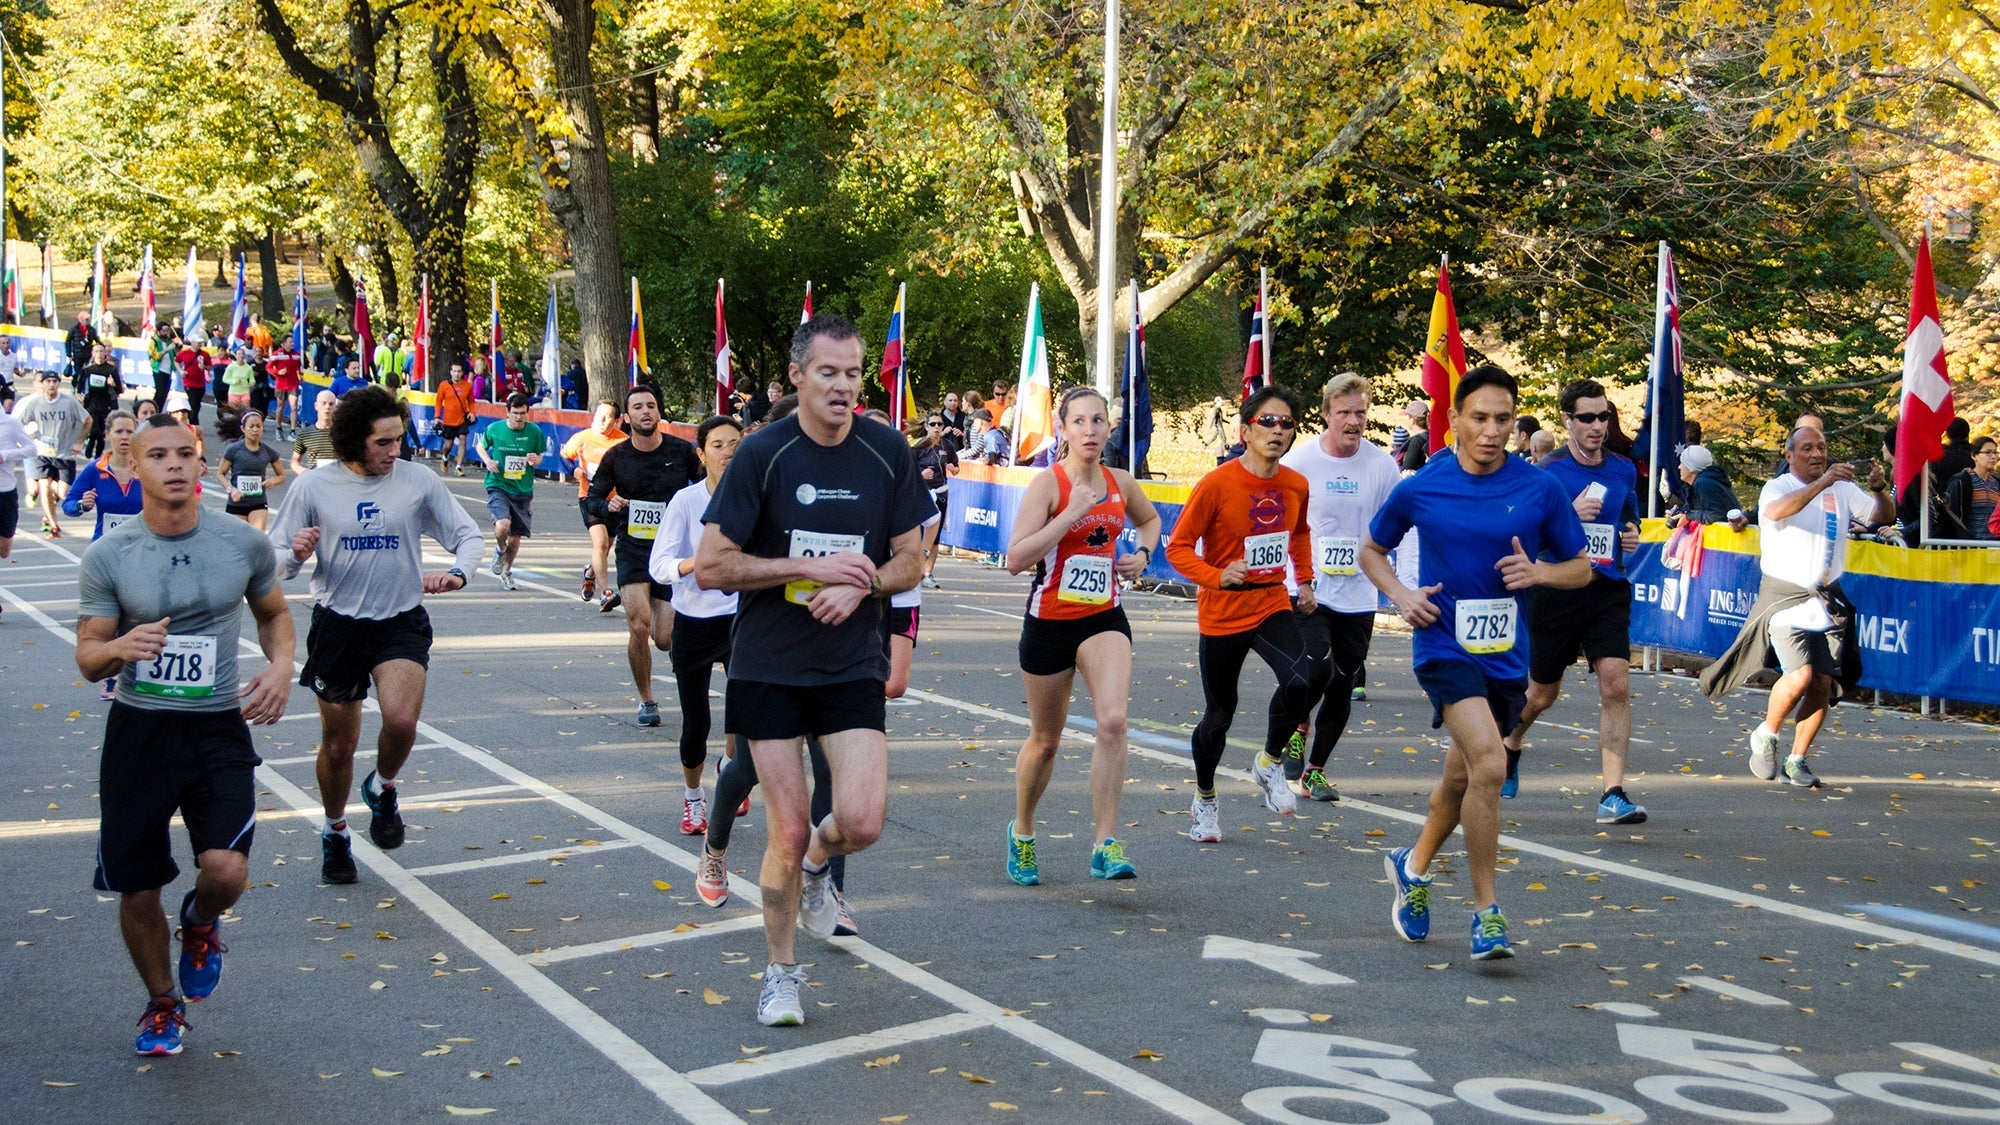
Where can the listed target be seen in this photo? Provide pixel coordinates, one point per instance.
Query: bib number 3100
(185, 669)
(1486, 625)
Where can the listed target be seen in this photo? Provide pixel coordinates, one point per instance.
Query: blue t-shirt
(1468, 525)
(1620, 478)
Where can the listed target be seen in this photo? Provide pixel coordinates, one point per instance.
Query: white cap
(177, 400)
(1696, 457)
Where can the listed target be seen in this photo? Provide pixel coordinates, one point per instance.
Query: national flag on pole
(725, 371)
(1138, 394)
(49, 283)
(806, 313)
(1663, 427)
(551, 369)
(420, 337)
(1034, 401)
(191, 326)
(149, 313)
(895, 372)
(636, 366)
(493, 340)
(1927, 402)
(1444, 358)
(364, 333)
(239, 310)
(97, 291)
(1255, 374)
(13, 286)
(299, 312)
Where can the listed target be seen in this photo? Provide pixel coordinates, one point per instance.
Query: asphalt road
(1753, 953)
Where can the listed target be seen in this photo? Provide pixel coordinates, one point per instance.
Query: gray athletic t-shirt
(197, 581)
(57, 425)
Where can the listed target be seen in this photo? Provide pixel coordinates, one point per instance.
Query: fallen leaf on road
(380, 1073)
(462, 1111)
(1001, 1105)
(712, 997)
(503, 896)
(885, 1060)
(662, 885)
(46, 1082)
(974, 1078)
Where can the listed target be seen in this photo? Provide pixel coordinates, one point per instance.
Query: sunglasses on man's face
(1587, 419)
(1277, 421)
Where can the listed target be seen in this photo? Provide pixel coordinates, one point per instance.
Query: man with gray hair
(1801, 617)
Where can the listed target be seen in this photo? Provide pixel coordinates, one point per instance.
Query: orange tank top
(1075, 579)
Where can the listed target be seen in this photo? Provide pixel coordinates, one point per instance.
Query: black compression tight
(733, 785)
(1279, 643)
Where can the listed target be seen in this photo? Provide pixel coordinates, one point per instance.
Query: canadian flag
(1927, 406)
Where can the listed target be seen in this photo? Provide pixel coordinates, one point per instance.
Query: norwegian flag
(725, 371)
(1927, 404)
(1254, 374)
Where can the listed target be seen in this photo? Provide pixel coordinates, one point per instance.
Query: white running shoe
(1763, 753)
(507, 581)
(1207, 827)
(778, 1005)
(1278, 795)
(711, 879)
(499, 559)
(818, 911)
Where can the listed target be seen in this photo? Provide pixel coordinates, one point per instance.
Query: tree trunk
(645, 116)
(388, 292)
(272, 294)
(343, 282)
(222, 267)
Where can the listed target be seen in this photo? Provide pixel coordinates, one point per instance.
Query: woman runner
(110, 487)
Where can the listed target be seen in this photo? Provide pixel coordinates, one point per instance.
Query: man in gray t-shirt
(58, 423)
(160, 607)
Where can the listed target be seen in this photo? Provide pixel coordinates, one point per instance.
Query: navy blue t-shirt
(785, 495)
(1620, 478)
(1468, 524)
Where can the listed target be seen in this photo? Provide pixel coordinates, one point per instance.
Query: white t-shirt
(914, 596)
(1809, 547)
(679, 537)
(1346, 494)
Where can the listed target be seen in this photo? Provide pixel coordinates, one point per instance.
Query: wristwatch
(463, 581)
(875, 585)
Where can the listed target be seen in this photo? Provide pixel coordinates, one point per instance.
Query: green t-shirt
(515, 450)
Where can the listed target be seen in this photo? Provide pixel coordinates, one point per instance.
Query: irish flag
(1034, 401)
(1444, 358)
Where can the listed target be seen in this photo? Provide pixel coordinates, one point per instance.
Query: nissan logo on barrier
(982, 517)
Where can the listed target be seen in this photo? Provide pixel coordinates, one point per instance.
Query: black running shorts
(342, 653)
(155, 763)
(767, 712)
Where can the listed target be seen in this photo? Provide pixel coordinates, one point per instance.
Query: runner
(16, 444)
(1068, 529)
(1485, 518)
(364, 517)
(310, 447)
(247, 469)
(1349, 478)
(817, 522)
(57, 422)
(454, 411)
(511, 450)
(1249, 516)
(108, 486)
(1595, 620)
(633, 483)
(176, 738)
(702, 618)
(586, 448)
(283, 367)
(100, 386)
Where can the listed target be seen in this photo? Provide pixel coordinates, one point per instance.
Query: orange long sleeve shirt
(1233, 509)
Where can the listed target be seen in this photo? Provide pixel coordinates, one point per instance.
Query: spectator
(1525, 428)
(76, 347)
(1909, 506)
(1417, 442)
(1974, 494)
(955, 420)
(1710, 497)
(758, 409)
(1957, 456)
(1617, 441)
(573, 385)
(1541, 445)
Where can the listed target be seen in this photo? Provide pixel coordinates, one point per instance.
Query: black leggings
(1338, 644)
(699, 644)
(732, 788)
(1278, 641)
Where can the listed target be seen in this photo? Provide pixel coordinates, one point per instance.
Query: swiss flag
(1927, 406)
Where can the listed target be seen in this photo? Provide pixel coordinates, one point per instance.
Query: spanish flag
(1444, 358)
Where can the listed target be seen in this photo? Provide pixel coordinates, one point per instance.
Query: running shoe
(201, 955)
(45, 527)
(1207, 827)
(743, 809)
(1295, 756)
(1411, 912)
(1360, 693)
(55, 532)
(1021, 865)
(1799, 774)
(507, 581)
(385, 824)
(499, 559)
(1489, 935)
(1278, 795)
(160, 1026)
(589, 584)
(1107, 861)
(1317, 787)
(1510, 788)
(109, 690)
(1764, 753)
(844, 924)
(711, 878)
(1617, 808)
(778, 1005)
(336, 859)
(818, 912)
(611, 600)
(931, 583)
(694, 816)
(649, 714)
(1512, 785)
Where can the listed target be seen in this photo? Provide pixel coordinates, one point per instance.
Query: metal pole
(1653, 380)
(1107, 209)
(1264, 301)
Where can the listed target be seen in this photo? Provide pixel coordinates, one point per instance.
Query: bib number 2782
(1486, 625)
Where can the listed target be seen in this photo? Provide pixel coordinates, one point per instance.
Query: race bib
(1486, 625)
(1338, 555)
(813, 545)
(516, 467)
(96, 381)
(642, 518)
(185, 669)
(1602, 539)
(1086, 579)
(111, 522)
(1267, 551)
(250, 485)
(45, 448)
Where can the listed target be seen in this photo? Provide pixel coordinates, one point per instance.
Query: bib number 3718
(185, 669)
(1486, 625)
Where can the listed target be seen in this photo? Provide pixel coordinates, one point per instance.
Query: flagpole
(1264, 299)
(1132, 386)
(1653, 381)
(1107, 208)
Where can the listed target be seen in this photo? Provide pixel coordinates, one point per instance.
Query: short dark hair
(1527, 423)
(1485, 375)
(1582, 389)
(1981, 442)
(832, 326)
(1254, 405)
(355, 421)
(782, 409)
(984, 415)
(710, 425)
(640, 389)
(1958, 429)
(518, 402)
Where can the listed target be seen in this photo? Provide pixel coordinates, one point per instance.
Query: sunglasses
(1587, 419)
(1276, 421)
(933, 425)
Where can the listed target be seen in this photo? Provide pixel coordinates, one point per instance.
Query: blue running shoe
(649, 714)
(1489, 935)
(201, 955)
(1021, 865)
(160, 1027)
(1107, 861)
(385, 824)
(1617, 808)
(1411, 912)
(1510, 788)
(1512, 785)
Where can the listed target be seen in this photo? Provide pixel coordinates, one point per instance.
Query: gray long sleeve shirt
(369, 563)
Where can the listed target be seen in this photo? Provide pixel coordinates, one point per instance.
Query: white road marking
(1280, 959)
(1736, 992)
(657, 937)
(518, 857)
(983, 609)
(758, 1066)
(416, 800)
